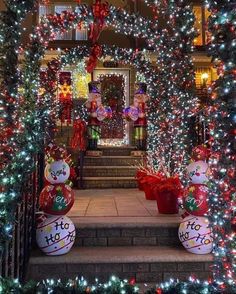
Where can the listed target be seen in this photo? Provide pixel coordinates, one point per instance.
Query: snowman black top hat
(94, 87)
(140, 88)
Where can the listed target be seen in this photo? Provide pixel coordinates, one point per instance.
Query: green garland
(113, 286)
(76, 286)
(222, 117)
(12, 175)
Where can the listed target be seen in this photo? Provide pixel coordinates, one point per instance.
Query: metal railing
(16, 252)
(198, 127)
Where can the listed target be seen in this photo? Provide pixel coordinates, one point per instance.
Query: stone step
(113, 161)
(145, 264)
(109, 171)
(126, 231)
(109, 182)
(117, 151)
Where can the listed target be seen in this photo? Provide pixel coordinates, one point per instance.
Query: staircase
(116, 168)
(144, 248)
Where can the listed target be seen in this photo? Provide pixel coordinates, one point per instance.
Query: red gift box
(167, 193)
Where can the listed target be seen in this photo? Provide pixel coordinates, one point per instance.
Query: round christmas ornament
(195, 234)
(55, 235)
(198, 172)
(131, 113)
(57, 172)
(195, 200)
(56, 199)
(103, 113)
(200, 152)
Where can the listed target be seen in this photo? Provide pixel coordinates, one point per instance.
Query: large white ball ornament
(57, 172)
(196, 235)
(198, 172)
(55, 235)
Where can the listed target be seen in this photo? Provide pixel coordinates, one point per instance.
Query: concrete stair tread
(116, 147)
(109, 167)
(142, 254)
(108, 178)
(163, 221)
(114, 156)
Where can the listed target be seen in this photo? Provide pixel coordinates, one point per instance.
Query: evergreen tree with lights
(173, 96)
(222, 114)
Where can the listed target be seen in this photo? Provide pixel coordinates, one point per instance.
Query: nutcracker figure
(140, 125)
(93, 103)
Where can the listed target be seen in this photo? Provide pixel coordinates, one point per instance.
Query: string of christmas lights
(10, 37)
(76, 286)
(222, 114)
(11, 139)
(168, 128)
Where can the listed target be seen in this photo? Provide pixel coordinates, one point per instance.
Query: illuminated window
(59, 9)
(78, 34)
(201, 15)
(204, 76)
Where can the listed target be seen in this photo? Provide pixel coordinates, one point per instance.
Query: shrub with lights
(222, 192)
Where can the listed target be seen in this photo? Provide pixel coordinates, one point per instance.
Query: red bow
(100, 12)
(96, 52)
(79, 136)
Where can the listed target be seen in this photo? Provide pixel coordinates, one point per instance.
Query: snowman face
(198, 171)
(57, 172)
(133, 114)
(196, 235)
(95, 97)
(55, 235)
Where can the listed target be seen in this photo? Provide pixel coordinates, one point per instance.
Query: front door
(115, 94)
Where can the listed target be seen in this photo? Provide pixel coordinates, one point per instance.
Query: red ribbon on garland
(96, 52)
(100, 12)
(79, 136)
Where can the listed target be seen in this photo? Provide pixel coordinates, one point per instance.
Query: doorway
(115, 88)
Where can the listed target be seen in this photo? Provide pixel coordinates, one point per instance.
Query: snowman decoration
(97, 114)
(137, 114)
(194, 232)
(55, 235)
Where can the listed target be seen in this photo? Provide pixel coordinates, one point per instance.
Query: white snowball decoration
(57, 172)
(55, 235)
(198, 172)
(196, 235)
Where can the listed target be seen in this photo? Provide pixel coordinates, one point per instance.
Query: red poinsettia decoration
(170, 185)
(96, 52)
(147, 181)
